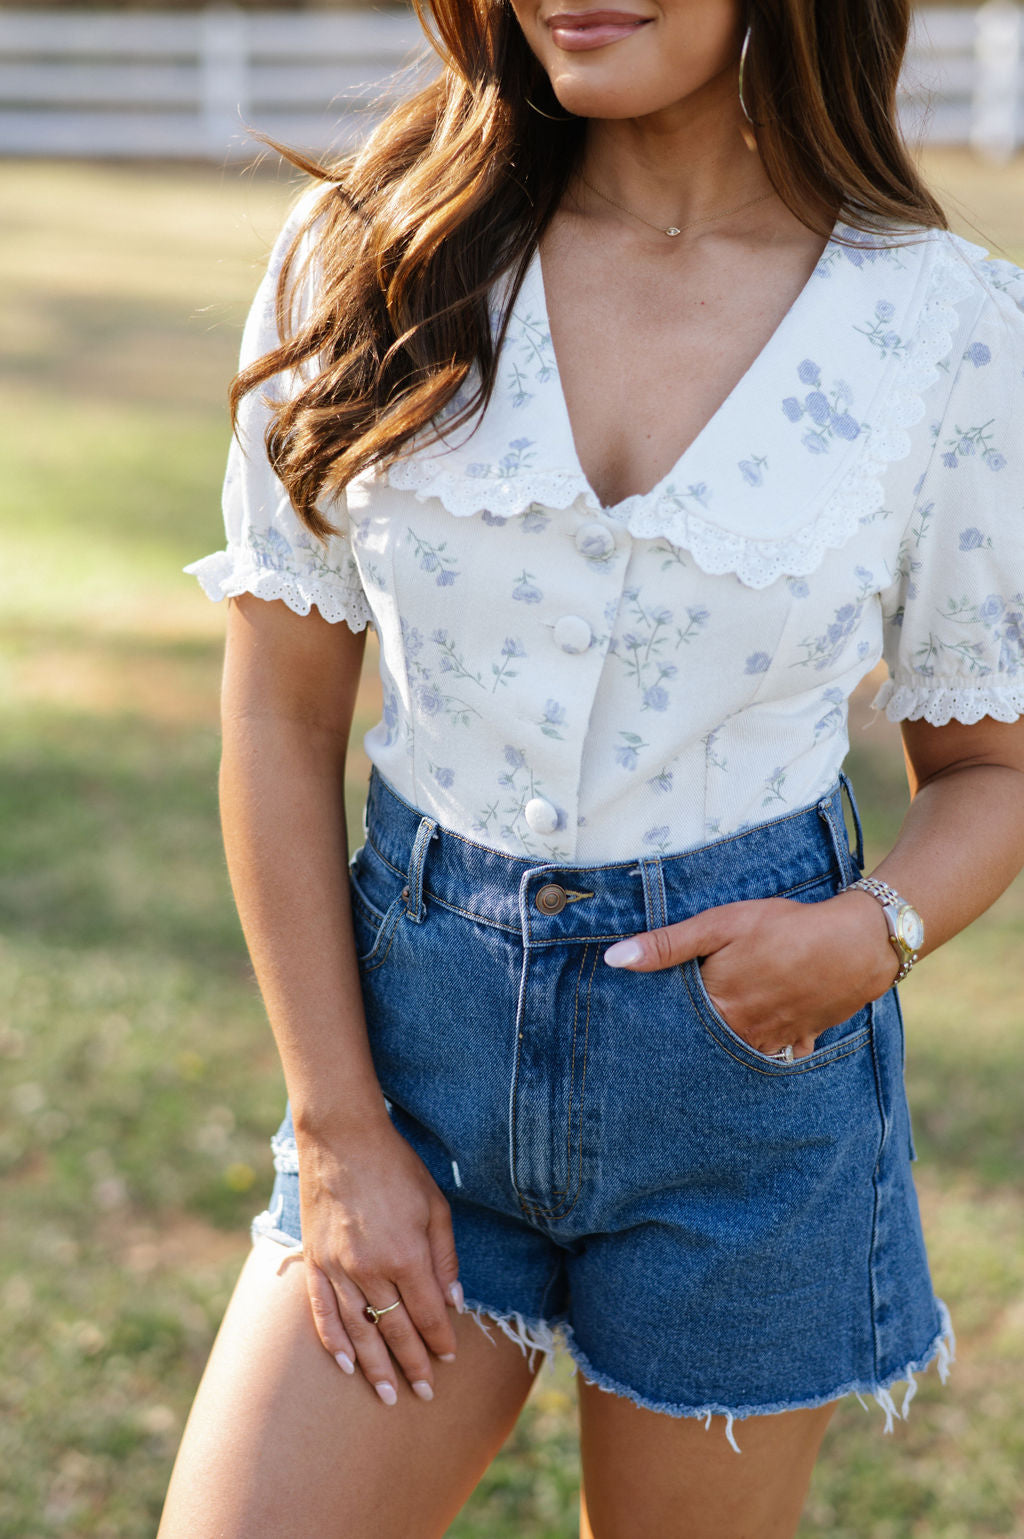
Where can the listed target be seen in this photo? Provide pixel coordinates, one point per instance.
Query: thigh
(650, 1476)
(282, 1443)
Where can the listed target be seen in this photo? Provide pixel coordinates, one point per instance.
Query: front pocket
(853, 1034)
(374, 932)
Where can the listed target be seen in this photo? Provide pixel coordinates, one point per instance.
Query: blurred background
(138, 1081)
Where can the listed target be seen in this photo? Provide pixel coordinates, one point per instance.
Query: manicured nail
(423, 1389)
(457, 1296)
(387, 1393)
(446, 1357)
(624, 953)
(344, 1361)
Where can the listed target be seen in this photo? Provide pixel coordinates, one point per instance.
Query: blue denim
(712, 1231)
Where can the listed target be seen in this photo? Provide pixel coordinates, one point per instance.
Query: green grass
(139, 1081)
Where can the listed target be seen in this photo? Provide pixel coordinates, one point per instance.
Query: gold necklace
(677, 229)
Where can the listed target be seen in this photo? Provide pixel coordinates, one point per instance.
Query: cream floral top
(570, 682)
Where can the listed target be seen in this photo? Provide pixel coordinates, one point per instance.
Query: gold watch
(906, 927)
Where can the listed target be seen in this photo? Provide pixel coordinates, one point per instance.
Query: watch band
(892, 907)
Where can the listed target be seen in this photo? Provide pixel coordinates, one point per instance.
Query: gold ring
(373, 1315)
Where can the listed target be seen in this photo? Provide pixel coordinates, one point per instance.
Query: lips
(575, 31)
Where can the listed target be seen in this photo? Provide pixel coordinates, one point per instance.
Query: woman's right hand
(376, 1228)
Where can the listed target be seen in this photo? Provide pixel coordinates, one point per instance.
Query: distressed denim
(710, 1231)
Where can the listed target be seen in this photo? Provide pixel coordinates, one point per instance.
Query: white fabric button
(594, 541)
(573, 634)
(540, 815)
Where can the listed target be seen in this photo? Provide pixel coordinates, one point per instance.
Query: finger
(327, 1319)
(428, 1312)
(669, 945)
(371, 1350)
(441, 1239)
(804, 1047)
(407, 1348)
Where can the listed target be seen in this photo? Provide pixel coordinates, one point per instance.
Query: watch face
(911, 928)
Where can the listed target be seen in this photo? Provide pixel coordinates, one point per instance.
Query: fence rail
(181, 84)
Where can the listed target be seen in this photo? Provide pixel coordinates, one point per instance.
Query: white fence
(187, 84)
(183, 84)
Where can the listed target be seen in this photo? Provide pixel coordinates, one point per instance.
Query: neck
(680, 165)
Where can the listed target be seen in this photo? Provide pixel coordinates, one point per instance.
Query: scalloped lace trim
(716, 550)
(941, 704)
(221, 577)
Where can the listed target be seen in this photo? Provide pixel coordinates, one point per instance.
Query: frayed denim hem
(941, 1351)
(267, 1226)
(534, 1337)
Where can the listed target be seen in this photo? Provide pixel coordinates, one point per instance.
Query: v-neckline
(624, 505)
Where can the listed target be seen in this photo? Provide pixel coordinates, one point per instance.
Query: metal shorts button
(551, 899)
(540, 815)
(573, 634)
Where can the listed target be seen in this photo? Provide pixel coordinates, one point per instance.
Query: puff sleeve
(954, 615)
(269, 551)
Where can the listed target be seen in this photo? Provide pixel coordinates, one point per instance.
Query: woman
(637, 460)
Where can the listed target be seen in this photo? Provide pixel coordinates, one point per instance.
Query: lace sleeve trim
(939, 704)
(227, 573)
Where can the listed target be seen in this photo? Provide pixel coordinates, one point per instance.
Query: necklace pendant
(673, 230)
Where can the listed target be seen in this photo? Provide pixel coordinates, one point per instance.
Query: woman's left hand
(778, 971)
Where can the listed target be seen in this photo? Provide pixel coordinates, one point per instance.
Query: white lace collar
(797, 449)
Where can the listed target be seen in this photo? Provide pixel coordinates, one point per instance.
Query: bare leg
(282, 1444)
(648, 1476)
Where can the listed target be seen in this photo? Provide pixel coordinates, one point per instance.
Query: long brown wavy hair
(454, 188)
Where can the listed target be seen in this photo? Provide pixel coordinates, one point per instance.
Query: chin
(613, 99)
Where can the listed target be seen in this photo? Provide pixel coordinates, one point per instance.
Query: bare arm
(374, 1224)
(782, 972)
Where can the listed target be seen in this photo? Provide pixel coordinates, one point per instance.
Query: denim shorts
(708, 1230)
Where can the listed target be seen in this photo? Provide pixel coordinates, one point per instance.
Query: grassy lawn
(139, 1082)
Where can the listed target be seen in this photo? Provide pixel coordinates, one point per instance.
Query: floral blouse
(571, 682)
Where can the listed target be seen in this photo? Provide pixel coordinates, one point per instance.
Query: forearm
(961, 845)
(282, 808)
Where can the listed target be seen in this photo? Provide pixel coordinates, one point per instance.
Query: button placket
(541, 815)
(595, 541)
(573, 634)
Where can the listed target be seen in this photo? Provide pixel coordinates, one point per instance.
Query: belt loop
(655, 907)
(855, 814)
(413, 893)
(830, 810)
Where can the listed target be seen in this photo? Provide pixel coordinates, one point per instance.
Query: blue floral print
(880, 334)
(526, 590)
(858, 248)
(833, 718)
(627, 752)
(980, 354)
(677, 501)
(532, 358)
(753, 469)
(435, 559)
(1003, 620)
(452, 660)
(967, 443)
(553, 720)
(825, 650)
(520, 456)
(774, 787)
(828, 412)
(512, 649)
